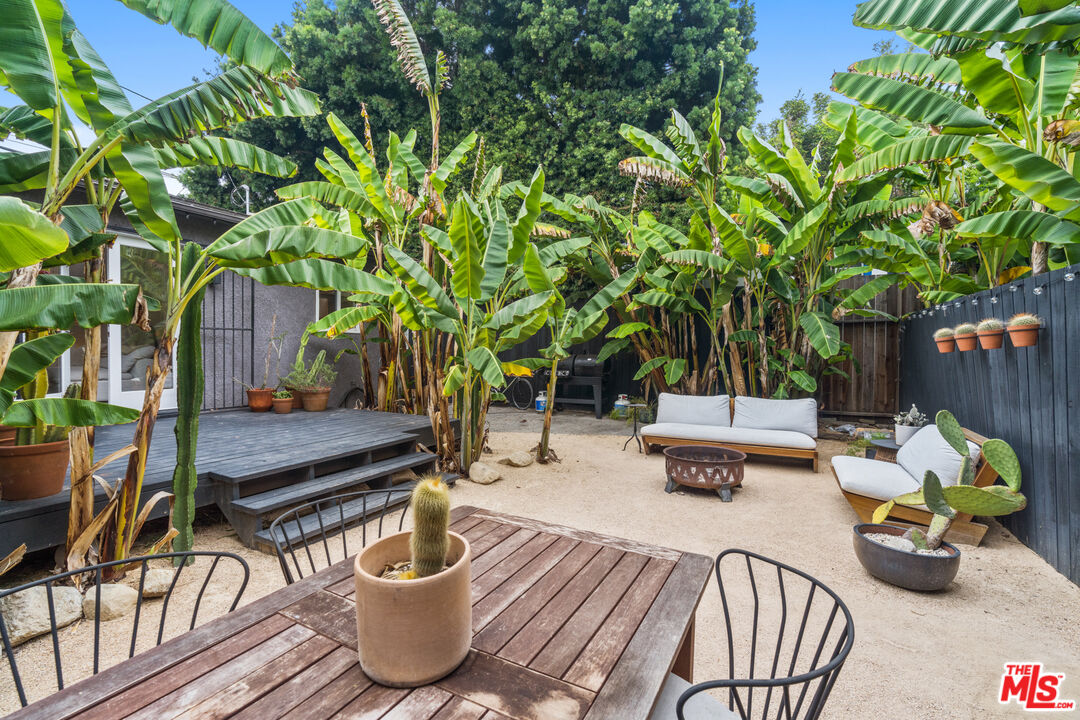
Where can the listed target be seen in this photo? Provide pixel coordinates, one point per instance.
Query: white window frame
(337, 306)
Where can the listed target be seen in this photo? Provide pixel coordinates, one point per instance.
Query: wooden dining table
(566, 624)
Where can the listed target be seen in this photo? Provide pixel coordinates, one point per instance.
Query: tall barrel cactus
(963, 496)
(430, 542)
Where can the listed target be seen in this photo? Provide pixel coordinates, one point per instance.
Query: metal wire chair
(799, 668)
(91, 576)
(293, 532)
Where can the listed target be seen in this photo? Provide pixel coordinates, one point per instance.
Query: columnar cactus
(430, 542)
(963, 497)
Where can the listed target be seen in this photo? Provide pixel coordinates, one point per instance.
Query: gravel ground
(935, 656)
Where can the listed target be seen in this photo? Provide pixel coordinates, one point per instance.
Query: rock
(483, 474)
(26, 614)
(518, 459)
(116, 601)
(138, 370)
(156, 583)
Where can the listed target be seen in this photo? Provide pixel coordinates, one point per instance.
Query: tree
(805, 120)
(544, 83)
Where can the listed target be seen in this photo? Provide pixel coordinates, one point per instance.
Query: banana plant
(567, 326)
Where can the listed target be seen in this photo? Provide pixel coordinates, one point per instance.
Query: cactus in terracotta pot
(1024, 329)
(945, 501)
(991, 332)
(944, 339)
(429, 542)
(965, 336)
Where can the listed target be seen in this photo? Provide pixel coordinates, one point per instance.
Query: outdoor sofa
(866, 484)
(756, 426)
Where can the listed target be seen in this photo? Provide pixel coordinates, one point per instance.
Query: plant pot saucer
(909, 570)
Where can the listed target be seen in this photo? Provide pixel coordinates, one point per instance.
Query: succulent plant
(943, 333)
(282, 395)
(429, 542)
(963, 497)
(990, 325)
(1024, 320)
(965, 329)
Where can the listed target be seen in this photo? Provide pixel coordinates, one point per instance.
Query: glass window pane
(148, 268)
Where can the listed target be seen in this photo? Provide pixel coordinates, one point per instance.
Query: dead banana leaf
(13, 558)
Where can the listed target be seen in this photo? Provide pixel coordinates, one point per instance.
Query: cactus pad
(430, 543)
(983, 501)
(935, 499)
(952, 432)
(1004, 461)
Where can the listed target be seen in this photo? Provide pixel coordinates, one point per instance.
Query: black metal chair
(91, 578)
(798, 664)
(321, 523)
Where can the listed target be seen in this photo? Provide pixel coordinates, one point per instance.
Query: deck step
(309, 526)
(300, 492)
(239, 470)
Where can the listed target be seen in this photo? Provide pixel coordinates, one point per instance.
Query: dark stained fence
(872, 386)
(1029, 397)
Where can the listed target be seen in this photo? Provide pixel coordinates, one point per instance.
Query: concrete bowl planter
(28, 472)
(259, 399)
(412, 632)
(909, 570)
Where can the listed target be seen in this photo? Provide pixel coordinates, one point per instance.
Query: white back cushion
(767, 414)
(693, 409)
(928, 450)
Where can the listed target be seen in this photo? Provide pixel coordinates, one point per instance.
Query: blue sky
(800, 45)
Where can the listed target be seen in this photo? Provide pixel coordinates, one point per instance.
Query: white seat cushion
(733, 435)
(928, 450)
(699, 410)
(768, 414)
(701, 706)
(873, 478)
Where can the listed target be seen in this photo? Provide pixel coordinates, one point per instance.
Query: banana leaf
(28, 236)
(59, 306)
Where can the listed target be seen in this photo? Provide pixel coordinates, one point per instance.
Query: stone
(138, 370)
(26, 614)
(483, 474)
(116, 601)
(157, 582)
(518, 459)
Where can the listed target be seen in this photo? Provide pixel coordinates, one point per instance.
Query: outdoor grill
(580, 370)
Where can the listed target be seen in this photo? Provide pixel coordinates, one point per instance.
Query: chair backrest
(788, 635)
(164, 613)
(315, 535)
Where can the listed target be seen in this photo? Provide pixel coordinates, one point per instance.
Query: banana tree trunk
(545, 434)
(81, 503)
(738, 378)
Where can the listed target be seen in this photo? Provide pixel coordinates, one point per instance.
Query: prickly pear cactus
(429, 542)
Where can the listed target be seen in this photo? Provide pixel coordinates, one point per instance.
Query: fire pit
(704, 466)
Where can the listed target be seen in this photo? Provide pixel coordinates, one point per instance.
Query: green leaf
(1037, 7)
(802, 232)
(66, 412)
(293, 212)
(484, 361)
(863, 294)
(1004, 461)
(515, 312)
(996, 88)
(146, 201)
(221, 27)
(649, 366)
(989, 502)
(59, 306)
(28, 59)
(526, 217)
(917, 150)
(915, 103)
(285, 244)
(319, 274)
(225, 152)
(612, 347)
(26, 236)
(455, 380)
(744, 335)
(674, 370)
(345, 319)
(992, 20)
(452, 162)
(654, 148)
(952, 432)
(420, 284)
(627, 329)
(498, 245)
(27, 360)
(933, 496)
(803, 380)
(1022, 224)
(822, 333)
(467, 262)
(1034, 176)
(698, 258)
(911, 66)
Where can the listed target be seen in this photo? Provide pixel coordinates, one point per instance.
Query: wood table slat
(563, 648)
(423, 702)
(333, 697)
(488, 558)
(300, 687)
(327, 614)
(594, 663)
(372, 703)
(494, 602)
(514, 561)
(460, 709)
(525, 603)
(540, 628)
(491, 541)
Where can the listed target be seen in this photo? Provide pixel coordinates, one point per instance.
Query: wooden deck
(227, 440)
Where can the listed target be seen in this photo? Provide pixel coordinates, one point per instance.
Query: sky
(800, 45)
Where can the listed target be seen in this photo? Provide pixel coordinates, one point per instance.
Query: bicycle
(519, 392)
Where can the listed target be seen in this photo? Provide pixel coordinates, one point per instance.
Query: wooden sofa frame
(771, 450)
(963, 529)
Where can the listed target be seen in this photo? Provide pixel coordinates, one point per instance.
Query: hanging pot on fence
(1024, 336)
(945, 345)
(966, 342)
(991, 339)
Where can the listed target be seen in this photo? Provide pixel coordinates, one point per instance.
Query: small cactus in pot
(965, 336)
(1024, 329)
(991, 332)
(961, 496)
(944, 339)
(430, 541)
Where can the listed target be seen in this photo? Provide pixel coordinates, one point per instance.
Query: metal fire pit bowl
(704, 466)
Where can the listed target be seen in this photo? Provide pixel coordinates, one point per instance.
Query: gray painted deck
(229, 440)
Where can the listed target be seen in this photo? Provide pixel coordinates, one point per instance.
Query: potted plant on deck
(1024, 329)
(991, 333)
(920, 560)
(944, 339)
(261, 398)
(283, 402)
(907, 424)
(413, 596)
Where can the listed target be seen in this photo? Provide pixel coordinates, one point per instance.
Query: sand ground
(915, 655)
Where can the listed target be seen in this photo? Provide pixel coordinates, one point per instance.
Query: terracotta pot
(1024, 336)
(945, 345)
(315, 400)
(966, 342)
(7, 435)
(259, 399)
(297, 400)
(412, 632)
(909, 570)
(32, 471)
(283, 406)
(991, 339)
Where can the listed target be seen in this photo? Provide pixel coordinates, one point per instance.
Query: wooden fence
(1029, 397)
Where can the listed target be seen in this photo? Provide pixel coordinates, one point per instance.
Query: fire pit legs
(671, 484)
(724, 492)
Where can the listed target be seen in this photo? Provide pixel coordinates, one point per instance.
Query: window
(330, 301)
